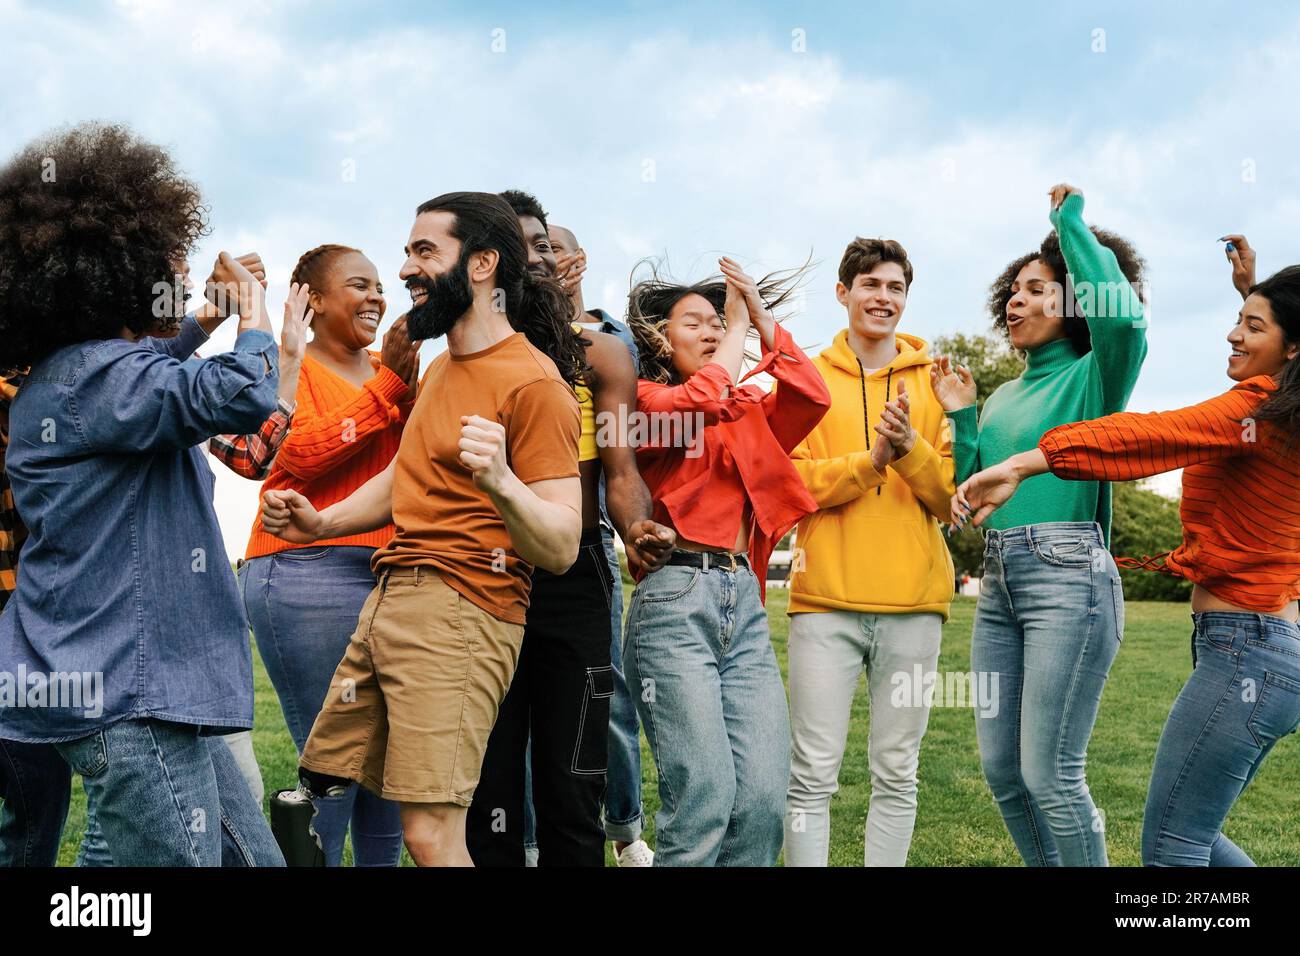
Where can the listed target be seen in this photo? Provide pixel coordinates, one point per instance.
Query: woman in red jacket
(1240, 511)
(697, 653)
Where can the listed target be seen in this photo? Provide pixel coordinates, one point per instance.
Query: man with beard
(562, 689)
(483, 488)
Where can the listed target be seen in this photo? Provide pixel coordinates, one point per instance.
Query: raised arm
(1242, 257)
(613, 389)
(251, 456)
(800, 398)
(954, 387)
(1112, 307)
(322, 440)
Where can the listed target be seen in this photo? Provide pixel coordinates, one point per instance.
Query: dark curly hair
(1049, 254)
(651, 299)
(93, 221)
(524, 204)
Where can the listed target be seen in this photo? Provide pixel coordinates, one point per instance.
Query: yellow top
(587, 410)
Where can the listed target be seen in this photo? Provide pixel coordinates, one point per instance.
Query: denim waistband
(1026, 534)
(1269, 623)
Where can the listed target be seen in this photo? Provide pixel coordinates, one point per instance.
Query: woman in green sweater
(1051, 607)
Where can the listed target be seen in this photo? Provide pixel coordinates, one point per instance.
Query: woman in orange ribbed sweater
(303, 602)
(1241, 549)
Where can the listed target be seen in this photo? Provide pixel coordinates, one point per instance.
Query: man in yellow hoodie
(872, 577)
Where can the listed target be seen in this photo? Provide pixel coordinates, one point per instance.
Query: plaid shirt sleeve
(252, 455)
(12, 531)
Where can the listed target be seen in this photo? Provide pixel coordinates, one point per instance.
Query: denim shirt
(126, 606)
(616, 328)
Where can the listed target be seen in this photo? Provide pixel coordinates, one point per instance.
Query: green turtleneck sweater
(1060, 386)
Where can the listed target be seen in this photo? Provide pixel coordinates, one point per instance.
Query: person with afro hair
(125, 622)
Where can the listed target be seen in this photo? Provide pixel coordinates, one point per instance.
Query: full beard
(449, 297)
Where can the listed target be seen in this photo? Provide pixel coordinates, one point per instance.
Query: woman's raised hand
(1060, 191)
(297, 319)
(953, 385)
(1242, 257)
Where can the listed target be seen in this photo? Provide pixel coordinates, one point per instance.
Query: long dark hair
(538, 307)
(93, 221)
(1282, 291)
(651, 299)
(1049, 254)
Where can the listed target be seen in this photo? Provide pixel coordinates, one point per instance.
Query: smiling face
(875, 301)
(541, 257)
(1259, 346)
(350, 304)
(694, 330)
(436, 276)
(1034, 312)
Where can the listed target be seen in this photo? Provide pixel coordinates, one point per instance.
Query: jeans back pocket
(87, 756)
(1277, 710)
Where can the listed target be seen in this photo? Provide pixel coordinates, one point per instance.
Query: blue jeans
(1243, 696)
(164, 795)
(35, 786)
(303, 606)
(698, 655)
(1048, 625)
(623, 816)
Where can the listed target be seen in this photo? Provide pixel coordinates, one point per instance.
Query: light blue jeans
(1242, 697)
(1049, 624)
(94, 848)
(162, 795)
(698, 657)
(303, 606)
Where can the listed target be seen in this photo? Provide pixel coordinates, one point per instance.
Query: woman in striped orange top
(303, 601)
(1241, 549)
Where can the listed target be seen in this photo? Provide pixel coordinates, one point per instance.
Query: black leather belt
(725, 560)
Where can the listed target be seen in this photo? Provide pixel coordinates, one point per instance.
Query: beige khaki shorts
(414, 699)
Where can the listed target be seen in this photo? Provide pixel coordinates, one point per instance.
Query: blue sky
(766, 131)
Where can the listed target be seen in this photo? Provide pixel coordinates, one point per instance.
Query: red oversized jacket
(742, 453)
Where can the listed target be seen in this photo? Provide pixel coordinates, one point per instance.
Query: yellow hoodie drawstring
(866, 409)
(889, 380)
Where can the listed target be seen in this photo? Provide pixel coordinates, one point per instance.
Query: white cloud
(756, 151)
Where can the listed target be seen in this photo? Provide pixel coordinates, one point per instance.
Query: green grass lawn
(957, 823)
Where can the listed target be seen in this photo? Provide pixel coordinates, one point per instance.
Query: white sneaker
(636, 854)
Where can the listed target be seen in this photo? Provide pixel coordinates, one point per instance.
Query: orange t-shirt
(443, 519)
(341, 437)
